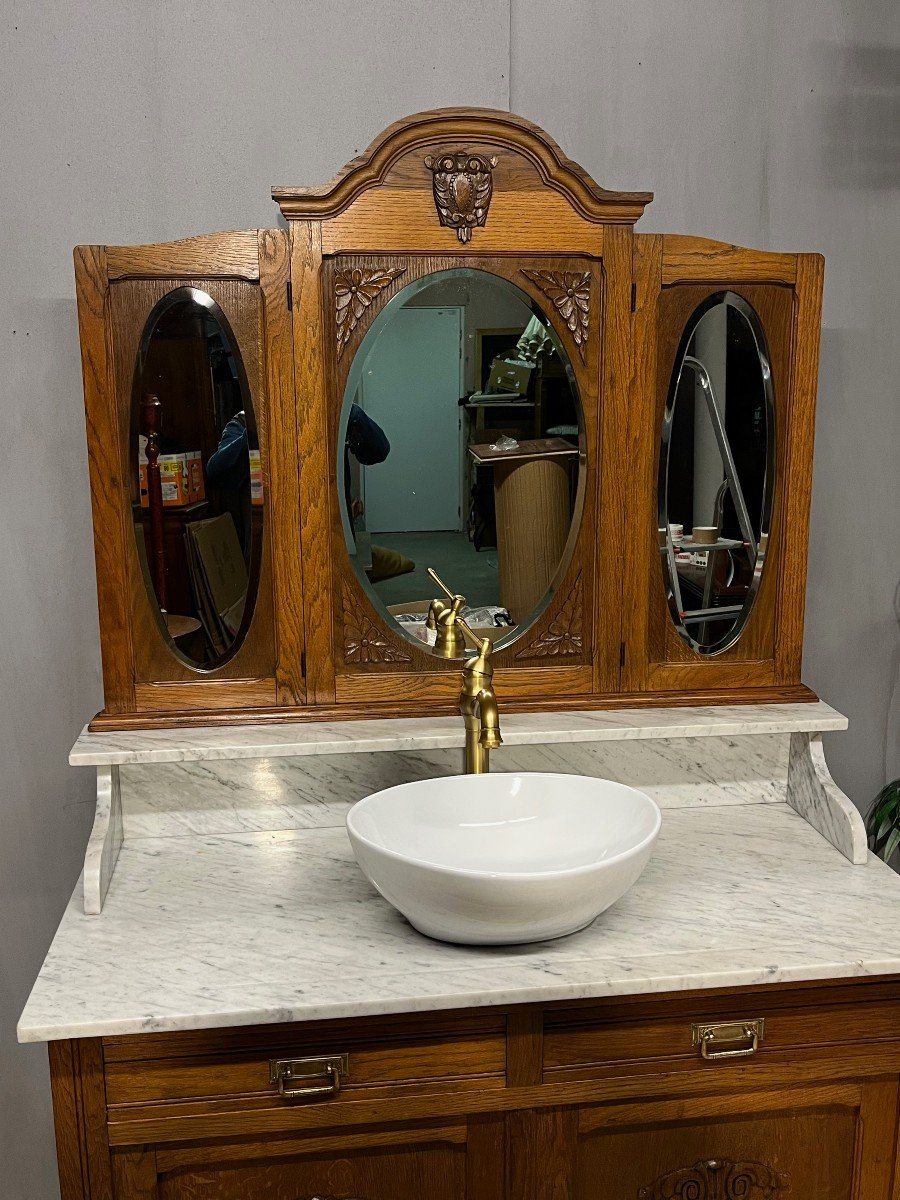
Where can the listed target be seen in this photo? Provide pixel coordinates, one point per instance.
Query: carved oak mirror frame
(453, 188)
(443, 190)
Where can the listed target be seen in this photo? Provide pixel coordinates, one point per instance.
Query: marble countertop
(445, 733)
(256, 928)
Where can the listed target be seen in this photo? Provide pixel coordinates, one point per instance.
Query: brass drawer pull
(283, 1071)
(706, 1036)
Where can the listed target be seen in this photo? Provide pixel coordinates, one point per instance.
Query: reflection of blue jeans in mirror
(228, 470)
(368, 444)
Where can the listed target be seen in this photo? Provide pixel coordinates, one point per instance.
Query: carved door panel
(456, 1161)
(832, 1143)
(723, 406)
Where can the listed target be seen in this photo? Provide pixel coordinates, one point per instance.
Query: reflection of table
(531, 493)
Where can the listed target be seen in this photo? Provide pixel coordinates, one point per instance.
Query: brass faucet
(477, 699)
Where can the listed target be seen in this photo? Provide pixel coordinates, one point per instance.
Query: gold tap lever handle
(482, 644)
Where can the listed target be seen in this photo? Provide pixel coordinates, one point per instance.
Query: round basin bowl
(501, 859)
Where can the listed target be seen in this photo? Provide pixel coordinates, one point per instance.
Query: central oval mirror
(716, 473)
(196, 478)
(460, 449)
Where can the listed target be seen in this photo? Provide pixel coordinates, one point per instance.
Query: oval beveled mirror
(196, 478)
(460, 448)
(716, 474)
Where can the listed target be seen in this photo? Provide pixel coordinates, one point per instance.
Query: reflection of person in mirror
(228, 470)
(368, 444)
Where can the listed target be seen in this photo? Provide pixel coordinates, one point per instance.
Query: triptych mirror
(454, 381)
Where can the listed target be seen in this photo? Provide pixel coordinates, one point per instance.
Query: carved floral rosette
(570, 294)
(354, 291)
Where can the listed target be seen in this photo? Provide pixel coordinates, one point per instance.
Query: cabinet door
(721, 434)
(197, 588)
(455, 1161)
(824, 1143)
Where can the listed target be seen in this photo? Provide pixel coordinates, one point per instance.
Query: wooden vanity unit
(246, 1019)
(608, 1098)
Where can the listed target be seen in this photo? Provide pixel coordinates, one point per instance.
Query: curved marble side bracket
(818, 799)
(105, 841)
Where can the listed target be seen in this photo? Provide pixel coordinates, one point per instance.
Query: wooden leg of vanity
(79, 1111)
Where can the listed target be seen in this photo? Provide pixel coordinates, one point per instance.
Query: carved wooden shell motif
(462, 185)
(718, 1179)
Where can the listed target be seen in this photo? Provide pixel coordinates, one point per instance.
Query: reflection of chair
(177, 626)
(730, 484)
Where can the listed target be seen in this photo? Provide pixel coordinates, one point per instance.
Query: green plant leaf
(891, 845)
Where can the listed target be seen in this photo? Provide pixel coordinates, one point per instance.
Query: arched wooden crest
(464, 146)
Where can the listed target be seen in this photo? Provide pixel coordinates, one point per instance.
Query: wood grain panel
(315, 471)
(397, 1062)
(224, 255)
(799, 436)
(431, 1168)
(71, 1147)
(282, 470)
(523, 683)
(613, 477)
(641, 455)
(108, 488)
(700, 260)
(518, 223)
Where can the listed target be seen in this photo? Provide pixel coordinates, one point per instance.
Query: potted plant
(883, 825)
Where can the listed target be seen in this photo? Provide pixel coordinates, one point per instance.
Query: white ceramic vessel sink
(503, 858)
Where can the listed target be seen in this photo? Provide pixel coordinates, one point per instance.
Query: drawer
(381, 1059)
(623, 1039)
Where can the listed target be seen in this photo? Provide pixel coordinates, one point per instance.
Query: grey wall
(758, 122)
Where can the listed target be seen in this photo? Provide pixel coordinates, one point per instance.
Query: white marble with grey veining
(434, 733)
(818, 799)
(256, 928)
(105, 841)
(220, 796)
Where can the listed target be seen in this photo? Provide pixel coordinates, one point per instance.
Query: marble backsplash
(221, 796)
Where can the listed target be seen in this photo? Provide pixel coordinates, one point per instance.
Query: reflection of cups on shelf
(676, 533)
(705, 535)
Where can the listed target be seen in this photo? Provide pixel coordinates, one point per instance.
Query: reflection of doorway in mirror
(411, 387)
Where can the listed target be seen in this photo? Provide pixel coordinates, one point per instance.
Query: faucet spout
(489, 719)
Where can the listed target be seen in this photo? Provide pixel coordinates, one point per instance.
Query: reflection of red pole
(151, 413)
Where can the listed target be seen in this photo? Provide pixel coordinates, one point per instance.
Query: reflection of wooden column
(151, 410)
(531, 492)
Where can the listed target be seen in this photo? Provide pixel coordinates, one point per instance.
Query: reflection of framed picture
(488, 344)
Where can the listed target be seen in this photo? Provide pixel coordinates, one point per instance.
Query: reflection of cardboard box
(420, 608)
(509, 377)
(256, 478)
(180, 477)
